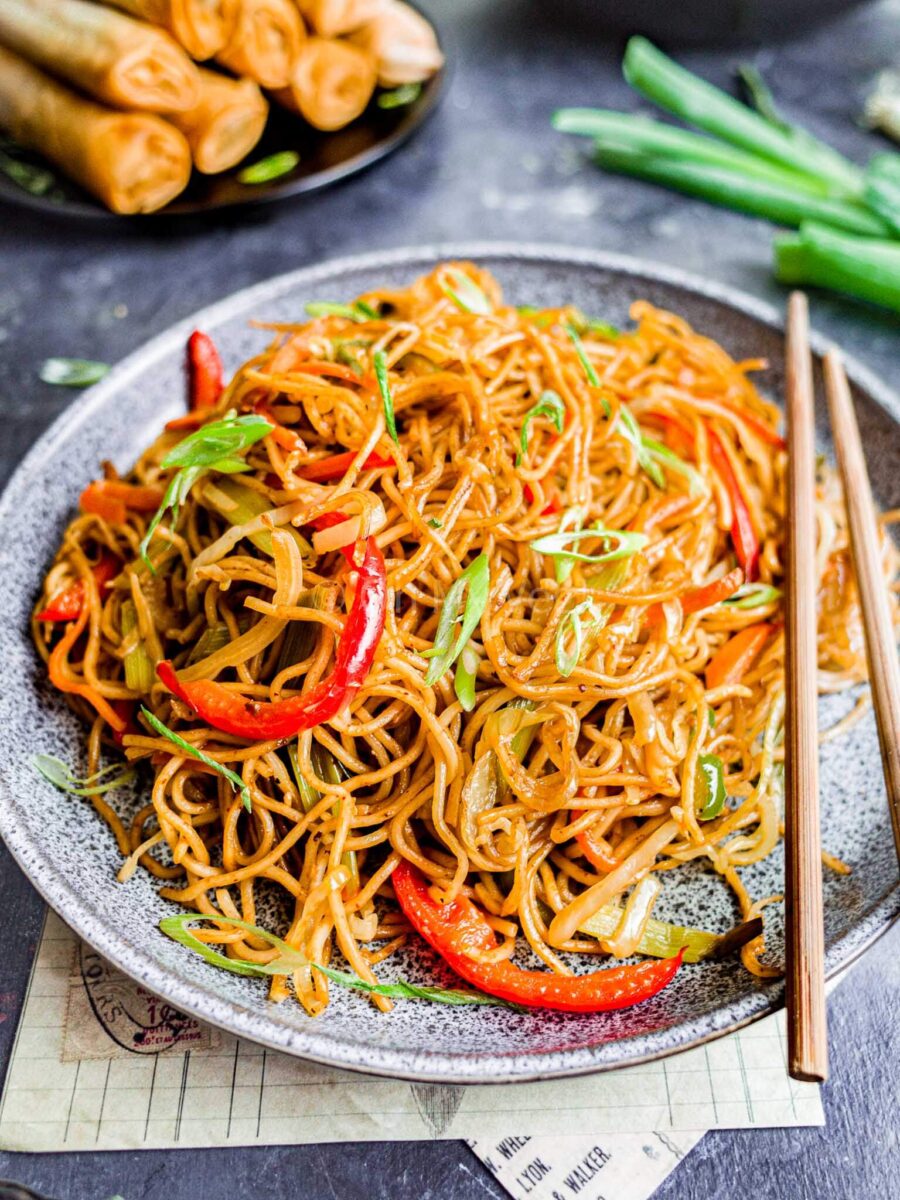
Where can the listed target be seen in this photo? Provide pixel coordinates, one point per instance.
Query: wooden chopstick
(805, 984)
(881, 647)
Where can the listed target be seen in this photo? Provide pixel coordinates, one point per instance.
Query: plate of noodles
(405, 690)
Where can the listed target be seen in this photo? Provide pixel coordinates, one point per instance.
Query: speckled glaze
(71, 858)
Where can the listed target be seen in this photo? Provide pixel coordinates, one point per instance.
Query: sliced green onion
(668, 458)
(863, 267)
(709, 786)
(474, 583)
(632, 432)
(660, 939)
(585, 324)
(434, 523)
(597, 613)
(569, 639)
(359, 311)
(213, 638)
(621, 544)
(164, 731)
(699, 103)
(267, 169)
(399, 97)
(63, 777)
(327, 769)
(753, 595)
(587, 366)
(760, 95)
(300, 636)
(140, 671)
(465, 676)
(73, 372)
(465, 293)
(384, 387)
(551, 406)
(574, 517)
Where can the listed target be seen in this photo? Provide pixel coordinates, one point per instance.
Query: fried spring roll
(109, 56)
(133, 162)
(403, 44)
(200, 26)
(226, 124)
(331, 18)
(264, 40)
(331, 84)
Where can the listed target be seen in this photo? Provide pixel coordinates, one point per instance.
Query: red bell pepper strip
(743, 535)
(733, 659)
(257, 721)
(125, 710)
(458, 931)
(205, 377)
(554, 505)
(703, 597)
(336, 466)
(599, 858)
(67, 604)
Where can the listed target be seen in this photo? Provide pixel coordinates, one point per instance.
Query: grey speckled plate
(70, 856)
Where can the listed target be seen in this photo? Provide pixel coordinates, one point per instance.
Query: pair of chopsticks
(807, 1031)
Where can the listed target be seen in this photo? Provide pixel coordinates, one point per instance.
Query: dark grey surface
(486, 167)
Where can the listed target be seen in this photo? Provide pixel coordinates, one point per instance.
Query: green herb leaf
(465, 677)
(72, 372)
(465, 293)
(164, 731)
(550, 405)
(403, 990)
(587, 366)
(215, 447)
(434, 523)
(619, 544)
(474, 582)
(584, 324)
(753, 595)
(631, 431)
(62, 776)
(709, 786)
(406, 93)
(267, 169)
(387, 400)
(359, 311)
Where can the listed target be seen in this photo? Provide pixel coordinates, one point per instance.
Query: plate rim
(420, 1065)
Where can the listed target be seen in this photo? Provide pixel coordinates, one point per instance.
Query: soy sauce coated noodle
(607, 695)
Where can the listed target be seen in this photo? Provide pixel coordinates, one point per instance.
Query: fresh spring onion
(72, 372)
(465, 293)
(631, 431)
(486, 786)
(572, 518)
(617, 543)
(759, 95)
(474, 583)
(215, 447)
(587, 366)
(384, 387)
(139, 666)
(274, 167)
(358, 311)
(660, 939)
(753, 595)
(164, 731)
(465, 676)
(822, 257)
(290, 960)
(299, 639)
(399, 97)
(63, 777)
(707, 107)
(327, 769)
(549, 405)
(668, 458)
(579, 626)
(709, 786)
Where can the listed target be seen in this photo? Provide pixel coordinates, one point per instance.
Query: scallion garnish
(267, 169)
(474, 583)
(570, 637)
(384, 387)
(631, 431)
(753, 595)
(399, 97)
(434, 523)
(709, 786)
(289, 960)
(214, 447)
(465, 676)
(662, 454)
(359, 311)
(72, 372)
(617, 543)
(164, 731)
(587, 366)
(63, 777)
(465, 293)
(550, 405)
(760, 95)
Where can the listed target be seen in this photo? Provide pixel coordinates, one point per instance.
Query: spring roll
(331, 18)
(133, 162)
(200, 26)
(264, 40)
(403, 44)
(122, 62)
(226, 124)
(331, 84)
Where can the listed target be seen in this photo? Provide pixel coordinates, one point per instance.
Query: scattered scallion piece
(164, 731)
(359, 311)
(709, 786)
(569, 639)
(618, 544)
(327, 769)
(387, 400)
(139, 667)
(591, 620)
(586, 365)
(668, 458)
(465, 293)
(474, 583)
(63, 777)
(434, 523)
(465, 676)
(549, 405)
(72, 372)
(753, 595)
(399, 97)
(631, 431)
(268, 169)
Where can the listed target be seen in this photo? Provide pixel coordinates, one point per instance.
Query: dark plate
(324, 159)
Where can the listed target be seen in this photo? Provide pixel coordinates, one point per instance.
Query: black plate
(324, 159)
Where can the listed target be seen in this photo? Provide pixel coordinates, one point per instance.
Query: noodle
(613, 699)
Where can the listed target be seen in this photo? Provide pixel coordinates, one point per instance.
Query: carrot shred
(732, 660)
(110, 499)
(59, 679)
